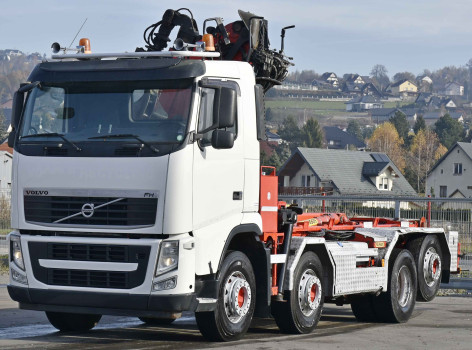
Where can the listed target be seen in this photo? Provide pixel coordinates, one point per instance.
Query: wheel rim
(404, 286)
(237, 297)
(309, 292)
(431, 267)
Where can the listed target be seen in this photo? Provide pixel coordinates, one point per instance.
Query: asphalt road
(444, 323)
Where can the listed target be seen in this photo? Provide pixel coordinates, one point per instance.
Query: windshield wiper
(127, 136)
(47, 134)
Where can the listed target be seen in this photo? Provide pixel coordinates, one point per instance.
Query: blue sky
(330, 35)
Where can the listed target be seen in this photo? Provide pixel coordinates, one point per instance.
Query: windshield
(80, 115)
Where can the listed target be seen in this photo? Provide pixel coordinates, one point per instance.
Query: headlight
(15, 252)
(168, 257)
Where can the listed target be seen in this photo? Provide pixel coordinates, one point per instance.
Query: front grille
(127, 152)
(89, 252)
(85, 278)
(125, 212)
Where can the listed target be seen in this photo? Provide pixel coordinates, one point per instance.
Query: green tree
(448, 130)
(291, 133)
(367, 133)
(401, 124)
(354, 128)
(312, 134)
(420, 124)
(274, 160)
(283, 151)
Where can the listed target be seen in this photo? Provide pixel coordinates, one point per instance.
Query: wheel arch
(328, 271)
(246, 239)
(446, 254)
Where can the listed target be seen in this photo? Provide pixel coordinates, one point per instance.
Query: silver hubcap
(309, 292)
(404, 286)
(237, 297)
(431, 267)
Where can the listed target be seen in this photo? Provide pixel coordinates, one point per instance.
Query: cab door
(218, 176)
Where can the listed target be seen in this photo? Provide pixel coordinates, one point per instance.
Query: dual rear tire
(397, 303)
(428, 258)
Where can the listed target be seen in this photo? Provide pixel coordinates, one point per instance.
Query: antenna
(77, 33)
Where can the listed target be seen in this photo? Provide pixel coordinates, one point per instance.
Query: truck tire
(397, 303)
(363, 308)
(69, 322)
(157, 321)
(236, 301)
(428, 258)
(302, 311)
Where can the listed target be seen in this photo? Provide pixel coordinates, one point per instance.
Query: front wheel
(69, 322)
(302, 311)
(236, 301)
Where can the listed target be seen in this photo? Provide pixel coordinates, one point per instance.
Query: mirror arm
(25, 87)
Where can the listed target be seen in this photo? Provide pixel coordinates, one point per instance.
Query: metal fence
(451, 213)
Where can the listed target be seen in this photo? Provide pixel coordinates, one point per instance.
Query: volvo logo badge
(87, 210)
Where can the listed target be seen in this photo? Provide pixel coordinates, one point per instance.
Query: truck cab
(129, 176)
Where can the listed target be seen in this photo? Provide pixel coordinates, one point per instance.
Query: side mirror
(222, 139)
(11, 138)
(17, 108)
(225, 107)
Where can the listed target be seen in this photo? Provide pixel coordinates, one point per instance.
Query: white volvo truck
(137, 190)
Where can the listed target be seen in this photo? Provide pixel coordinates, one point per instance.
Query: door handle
(237, 195)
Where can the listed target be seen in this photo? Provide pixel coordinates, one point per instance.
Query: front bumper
(102, 303)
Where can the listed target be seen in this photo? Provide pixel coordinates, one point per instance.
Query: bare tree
(379, 74)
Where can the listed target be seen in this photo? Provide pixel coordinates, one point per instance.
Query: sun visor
(117, 70)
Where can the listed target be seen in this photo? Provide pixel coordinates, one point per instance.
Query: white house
(330, 78)
(451, 176)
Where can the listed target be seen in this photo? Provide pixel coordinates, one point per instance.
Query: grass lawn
(318, 105)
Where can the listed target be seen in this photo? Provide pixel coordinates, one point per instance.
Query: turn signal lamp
(86, 44)
(209, 42)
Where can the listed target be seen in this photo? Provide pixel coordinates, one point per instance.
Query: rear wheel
(68, 322)
(428, 258)
(397, 304)
(301, 313)
(236, 301)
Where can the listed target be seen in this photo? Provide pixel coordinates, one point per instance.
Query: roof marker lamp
(16, 254)
(85, 43)
(168, 257)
